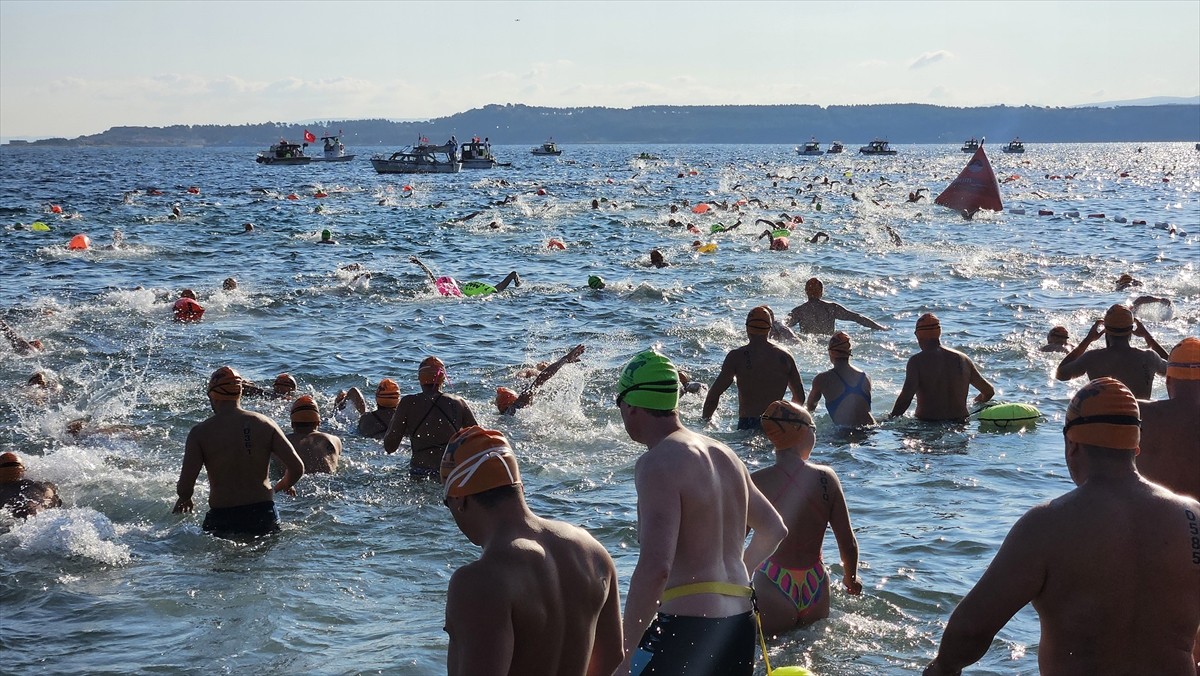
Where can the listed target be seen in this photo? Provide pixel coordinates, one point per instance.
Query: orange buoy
(407, 188)
(320, 193)
(55, 209)
(693, 172)
(608, 180)
(194, 190)
(541, 191)
(79, 242)
(701, 208)
(293, 196)
(187, 310)
(556, 244)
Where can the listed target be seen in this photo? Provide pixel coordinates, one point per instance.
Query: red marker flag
(308, 137)
(974, 189)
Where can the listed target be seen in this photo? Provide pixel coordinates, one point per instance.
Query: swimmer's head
(1058, 335)
(813, 288)
(284, 384)
(1118, 321)
(785, 423)
(187, 293)
(11, 468)
(505, 398)
(38, 380)
(248, 227)
(478, 460)
(1184, 362)
(326, 235)
(225, 384)
(1104, 413)
(758, 321)
(229, 284)
(431, 372)
(649, 381)
(35, 344)
(928, 327)
(305, 412)
(387, 395)
(839, 346)
(595, 282)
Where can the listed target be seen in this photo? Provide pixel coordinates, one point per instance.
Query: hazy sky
(72, 68)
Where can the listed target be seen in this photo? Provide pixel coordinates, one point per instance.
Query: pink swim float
(447, 286)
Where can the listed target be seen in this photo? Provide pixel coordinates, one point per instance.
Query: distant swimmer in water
(779, 243)
(235, 446)
(1170, 442)
(19, 344)
(509, 402)
(283, 387)
(535, 577)
(448, 286)
(916, 196)
(327, 238)
(939, 378)
(20, 496)
(428, 418)
(846, 389)
(1132, 366)
(230, 284)
(1126, 281)
(762, 370)
(819, 316)
(1153, 308)
(657, 260)
(248, 227)
(372, 423)
(1056, 340)
(320, 452)
(187, 308)
(793, 584)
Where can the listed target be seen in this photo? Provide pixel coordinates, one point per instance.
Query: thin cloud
(930, 58)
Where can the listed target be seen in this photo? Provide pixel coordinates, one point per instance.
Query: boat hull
(263, 159)
(878, 152)
(1017, 151)
(343, 158)
(406, 167)
(478, 163)
(547, 153)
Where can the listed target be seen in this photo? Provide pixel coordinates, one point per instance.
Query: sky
(75, 68)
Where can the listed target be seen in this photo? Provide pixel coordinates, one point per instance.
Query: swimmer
(916, 195)
(1133, 366)
(848, 405)
(318, 451)
(820, 236)
(763, 372)
(429, 418)
(20, 496)
(241, 498)
(508, 402)
(1153, 308)
(187, 309)
(1170, 441)
(939, 377)
(1056, 340)
(327, 238)
(535, 577)
(19, 344)
(484, 288)
(657, 259)
(793, 585)
(248, 227)
(1126, 281)
(230, 284)
(820, 316)
(777, 243)
(372, 423)
(283, 387)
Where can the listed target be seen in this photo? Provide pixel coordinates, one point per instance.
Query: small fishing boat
(835, 148)
(419, 159)
(648, 157)
(877, 147)
(477, 154)
(810, 148)
(549, 148)
(1014, 146)
(334, 150)
(970, 145)
(283, 153)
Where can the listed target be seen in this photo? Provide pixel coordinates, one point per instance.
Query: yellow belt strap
(722, 588)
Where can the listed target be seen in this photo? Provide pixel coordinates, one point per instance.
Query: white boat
(810, 148)
(283, 153)
(477, 155)
(1014, 146)
(334, 150)
(877, 147)
(835, 148)
(970, 145)
(419, 159)
(547, 148)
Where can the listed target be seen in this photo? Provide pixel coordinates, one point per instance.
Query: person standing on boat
(1133, 366)
(428, 418)
(939, 378)
(820, 316)
(763, 372)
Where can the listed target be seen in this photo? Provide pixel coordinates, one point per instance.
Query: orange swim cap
(813, 288)
(928, 326)
(505, 398)
(1118, 321)
(432, 371)
(285, 381)
(758, 321)
(304, 411)
(1184, 362)
(225, 384)
(11, 468)
(839, 344)
(387, 395)
(1104, 413)
(478, 460)
(1060, 332)
(784, 423)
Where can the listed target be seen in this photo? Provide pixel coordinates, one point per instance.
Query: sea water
(356, 581)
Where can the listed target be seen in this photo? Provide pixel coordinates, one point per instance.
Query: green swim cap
(650, 381)
(325, 234)
(596, 281)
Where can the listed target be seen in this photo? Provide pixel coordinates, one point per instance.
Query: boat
(1014, 146)
(835, 148)
(547, 148)
(477, 155)
(334, 150)
(811, 148)
(877, 147)
(649, 157)
(419, 159)
(974, 189)
(283, 153)
(970, 145)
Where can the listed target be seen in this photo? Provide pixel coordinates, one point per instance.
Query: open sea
(356, 581)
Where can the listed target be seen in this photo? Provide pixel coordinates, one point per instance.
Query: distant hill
(521, 124)
(1152, 101)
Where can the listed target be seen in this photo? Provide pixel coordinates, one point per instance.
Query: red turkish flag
(308, 137)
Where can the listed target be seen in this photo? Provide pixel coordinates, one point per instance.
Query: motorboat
(970, 145)
(419, 159)
(477, 155)
(548, 148)
(877, 147)
(283, 153)
(334, 150)
(810, 148)
(1014, 146)
(835, 148)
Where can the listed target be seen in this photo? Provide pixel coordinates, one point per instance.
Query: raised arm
(354, 396)
(1070, 366)
(1141, 331)
(546, 374)
(414, 259)
(841, 312)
